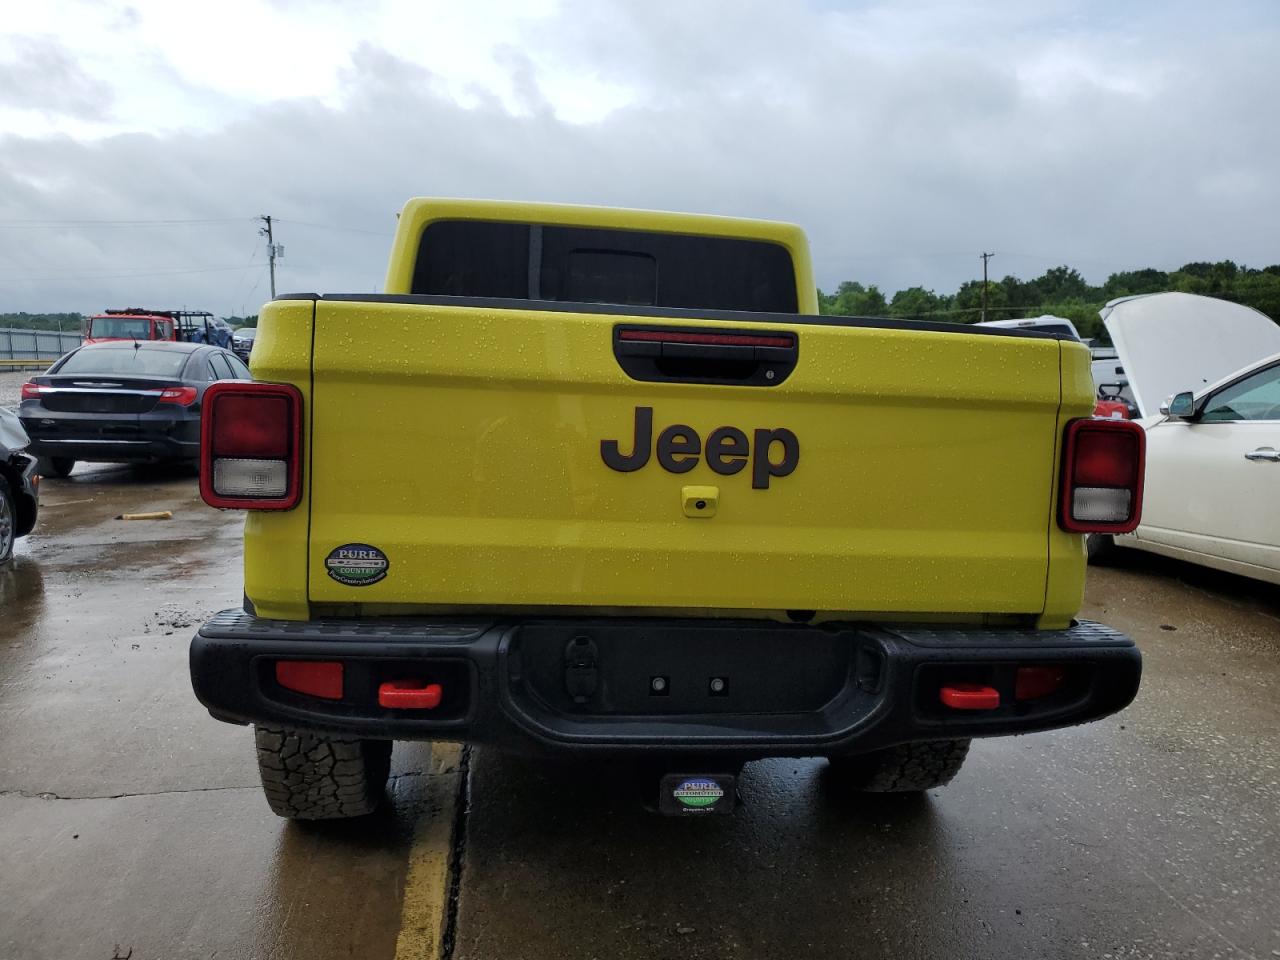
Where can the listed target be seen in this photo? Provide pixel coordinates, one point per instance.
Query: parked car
(242, 342)
(221, 332)
(1205, 376)
(19, 484)
(123, 403)
(1047, 323)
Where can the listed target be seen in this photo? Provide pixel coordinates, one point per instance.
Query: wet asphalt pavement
(131, 821)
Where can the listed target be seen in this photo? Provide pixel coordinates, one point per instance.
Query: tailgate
(464, 445)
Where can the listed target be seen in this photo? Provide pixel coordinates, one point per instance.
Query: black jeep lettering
(612, 456)
(679, 441)
(728, 449)
(762, 468)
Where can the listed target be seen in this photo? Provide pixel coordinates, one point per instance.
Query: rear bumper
(123, 438)
(789, 690)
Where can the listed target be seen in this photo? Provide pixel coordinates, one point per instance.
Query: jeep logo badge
(727, 450)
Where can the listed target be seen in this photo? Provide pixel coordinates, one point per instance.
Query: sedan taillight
(31, 391)
(1102, 468)
(251, 446)
(181, 396)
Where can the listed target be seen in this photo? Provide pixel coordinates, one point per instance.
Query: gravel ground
(11, 382)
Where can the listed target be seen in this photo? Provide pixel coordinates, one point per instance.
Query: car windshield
(139, 362)
(124, 328)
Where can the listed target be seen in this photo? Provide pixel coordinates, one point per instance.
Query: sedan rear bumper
(744, 689)
(143, 438)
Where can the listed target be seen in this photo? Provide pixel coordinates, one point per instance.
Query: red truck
(137, 323)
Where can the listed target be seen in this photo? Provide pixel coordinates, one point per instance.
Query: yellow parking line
(426, 885)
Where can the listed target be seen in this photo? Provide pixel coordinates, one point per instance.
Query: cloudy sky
(138, 141)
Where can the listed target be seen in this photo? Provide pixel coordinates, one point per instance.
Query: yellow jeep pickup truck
(598, 482)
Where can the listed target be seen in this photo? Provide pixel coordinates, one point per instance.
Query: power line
(331, 226)
(53, 224)
(122, 276)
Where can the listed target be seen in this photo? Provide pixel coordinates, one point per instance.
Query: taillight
(181, 396)
(251, 446)
(31, 391)
(1102, 467)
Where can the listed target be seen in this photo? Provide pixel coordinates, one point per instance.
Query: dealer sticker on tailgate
(357, 564)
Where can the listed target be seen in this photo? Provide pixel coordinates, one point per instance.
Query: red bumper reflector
(969, 696)
(1035, 682)
(409, 695)
(315, 678)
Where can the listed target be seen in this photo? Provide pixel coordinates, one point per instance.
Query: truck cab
(128, 325)
(596, 482)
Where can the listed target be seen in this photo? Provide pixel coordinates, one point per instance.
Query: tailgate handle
(760, 358)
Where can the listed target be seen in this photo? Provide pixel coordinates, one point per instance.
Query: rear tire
(59, 467)
(906, 768)
(310, 776)
(1101, 547)
(8, 521)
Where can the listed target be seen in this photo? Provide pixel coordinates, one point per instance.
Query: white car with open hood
(1205, 376)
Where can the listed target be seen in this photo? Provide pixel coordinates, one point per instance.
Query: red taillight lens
(180, 396)
(252, 427)
(251, 446)
(1102, 476)
(315, 678)
(31, 391)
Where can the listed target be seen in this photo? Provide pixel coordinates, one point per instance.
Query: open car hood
(1170, 342)
(12, 437)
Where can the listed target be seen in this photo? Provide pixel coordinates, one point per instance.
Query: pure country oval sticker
(357, 564)
(698, 793)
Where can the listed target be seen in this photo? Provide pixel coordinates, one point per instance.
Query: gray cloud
(44, 76)
(904, 149)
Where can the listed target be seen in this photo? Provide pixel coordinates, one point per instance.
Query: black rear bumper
(153, 437)
(588, 686)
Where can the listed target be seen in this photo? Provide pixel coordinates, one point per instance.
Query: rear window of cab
(515, 261)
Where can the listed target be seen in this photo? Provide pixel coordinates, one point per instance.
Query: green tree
(852, 299)
(916, 303)
(967, 302)
(67, 322)
(1130, 283)
(1064, 283)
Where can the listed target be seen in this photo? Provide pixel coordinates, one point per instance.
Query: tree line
(1060, 291)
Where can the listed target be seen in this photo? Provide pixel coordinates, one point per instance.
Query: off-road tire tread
(906, 768)
(311, 776)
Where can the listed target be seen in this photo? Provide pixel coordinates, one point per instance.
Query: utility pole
(985, 258)
(271, 251)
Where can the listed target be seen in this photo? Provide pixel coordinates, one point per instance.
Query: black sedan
(123, 402)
